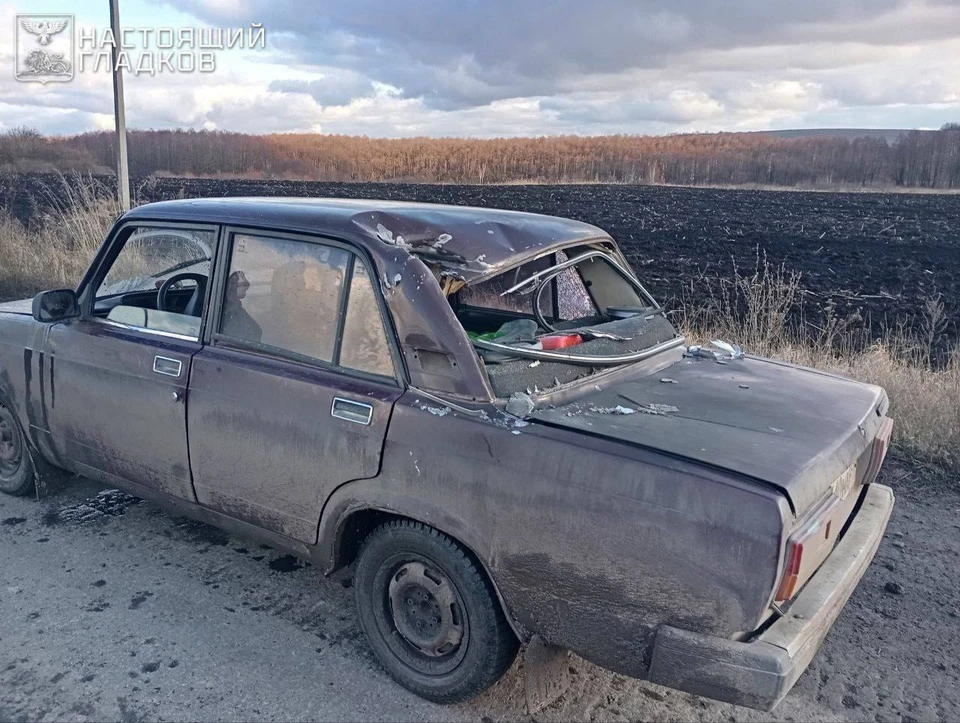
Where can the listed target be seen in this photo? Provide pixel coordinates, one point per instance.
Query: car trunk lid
(795, 428)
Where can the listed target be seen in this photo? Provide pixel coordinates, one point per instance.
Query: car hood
(24, 306)
(792, 427)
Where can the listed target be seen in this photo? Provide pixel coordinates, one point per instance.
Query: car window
(490, 294)
(149, 257)
(573, 299)
(151, 254)
(365, 346)
(284, 294)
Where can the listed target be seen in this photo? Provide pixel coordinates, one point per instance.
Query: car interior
(158, 281)
(575, 301)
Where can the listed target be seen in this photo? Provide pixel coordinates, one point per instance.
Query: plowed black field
(881, 254)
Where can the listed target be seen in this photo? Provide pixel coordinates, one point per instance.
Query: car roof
(467, 242)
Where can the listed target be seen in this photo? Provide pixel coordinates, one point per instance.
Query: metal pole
(123, 171)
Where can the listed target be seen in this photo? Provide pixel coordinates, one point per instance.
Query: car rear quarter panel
(592, 544)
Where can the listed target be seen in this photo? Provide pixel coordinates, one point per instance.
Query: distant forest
(918, 159)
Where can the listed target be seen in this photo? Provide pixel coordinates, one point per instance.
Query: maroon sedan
(484, 411)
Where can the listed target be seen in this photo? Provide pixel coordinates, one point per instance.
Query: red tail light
(810, 545)
(879, 450)
(791, 571)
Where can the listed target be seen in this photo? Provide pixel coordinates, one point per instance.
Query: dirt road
(112, 610)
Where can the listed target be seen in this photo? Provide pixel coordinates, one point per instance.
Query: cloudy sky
(521, 67)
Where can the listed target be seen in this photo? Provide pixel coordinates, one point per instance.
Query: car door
(114, 398)
(293, 395)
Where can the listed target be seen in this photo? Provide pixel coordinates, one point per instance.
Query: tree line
(917, 159)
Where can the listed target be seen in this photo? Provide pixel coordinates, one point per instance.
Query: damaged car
(484, 412)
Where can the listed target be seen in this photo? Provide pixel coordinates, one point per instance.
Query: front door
(115, 398)
(293, 396)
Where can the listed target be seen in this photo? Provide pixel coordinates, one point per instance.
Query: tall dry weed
(55, 251)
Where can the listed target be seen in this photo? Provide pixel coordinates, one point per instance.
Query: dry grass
(759, 311)
(55, 251)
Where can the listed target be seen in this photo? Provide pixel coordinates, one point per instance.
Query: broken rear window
(559, 318)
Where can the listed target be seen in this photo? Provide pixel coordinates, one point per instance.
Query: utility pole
(123, 171)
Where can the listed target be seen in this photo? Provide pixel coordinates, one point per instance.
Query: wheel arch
(348, 520)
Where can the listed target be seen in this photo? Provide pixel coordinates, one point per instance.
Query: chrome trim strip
(582, 359)
(155, 332)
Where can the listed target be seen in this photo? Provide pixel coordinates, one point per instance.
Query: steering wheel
(195, 304)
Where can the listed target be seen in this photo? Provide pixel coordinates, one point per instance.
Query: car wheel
(430, 613)
(16, 467)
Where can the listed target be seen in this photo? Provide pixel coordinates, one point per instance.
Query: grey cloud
(335, 88)
(463, 54)
(600, 113)
(52, 121)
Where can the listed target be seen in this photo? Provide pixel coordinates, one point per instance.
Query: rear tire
(17, 474)
(430, 614)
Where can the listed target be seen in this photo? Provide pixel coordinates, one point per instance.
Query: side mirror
(55, 305)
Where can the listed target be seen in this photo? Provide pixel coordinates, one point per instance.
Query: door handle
(167, 366)
(350, 411)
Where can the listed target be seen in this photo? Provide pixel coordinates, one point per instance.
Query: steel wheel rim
(448, 651)
(425, 609)
(11, 444)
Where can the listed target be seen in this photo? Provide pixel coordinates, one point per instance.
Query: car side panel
(20, 368)
(592, 544)
(109, 407)
(264, 445)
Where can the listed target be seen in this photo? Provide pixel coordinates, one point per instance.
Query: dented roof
(464, 242)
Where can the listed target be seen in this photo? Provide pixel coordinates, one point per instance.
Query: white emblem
(43, 29)
(44, 48)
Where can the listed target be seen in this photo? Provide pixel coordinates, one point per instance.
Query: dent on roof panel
(463, 241)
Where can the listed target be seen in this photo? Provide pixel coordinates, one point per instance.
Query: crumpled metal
(723, 352)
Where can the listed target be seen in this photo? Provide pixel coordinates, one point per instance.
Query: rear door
(293, 395)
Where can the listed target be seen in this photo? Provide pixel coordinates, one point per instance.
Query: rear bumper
(761, 672)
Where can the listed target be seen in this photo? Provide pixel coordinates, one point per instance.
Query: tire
(17, 475)
(430, 614)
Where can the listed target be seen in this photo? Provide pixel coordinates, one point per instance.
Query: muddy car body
(330, 376)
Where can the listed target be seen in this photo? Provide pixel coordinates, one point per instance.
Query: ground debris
(107, 503)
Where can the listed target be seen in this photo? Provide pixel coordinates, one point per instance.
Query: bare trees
(928, 159)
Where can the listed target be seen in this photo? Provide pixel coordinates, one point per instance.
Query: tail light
(878, 451)
(813, 541)
(796, 545)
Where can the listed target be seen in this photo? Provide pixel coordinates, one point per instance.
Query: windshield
(561, 317)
